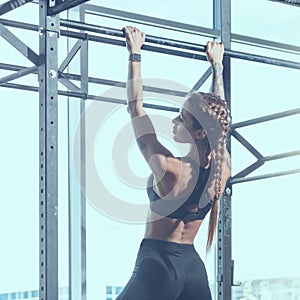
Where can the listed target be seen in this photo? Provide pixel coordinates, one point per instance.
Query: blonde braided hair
(210, 112)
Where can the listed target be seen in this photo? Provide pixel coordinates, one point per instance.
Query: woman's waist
(167, 246)
(171, 230)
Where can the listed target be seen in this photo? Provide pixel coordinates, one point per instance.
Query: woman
(181, 190)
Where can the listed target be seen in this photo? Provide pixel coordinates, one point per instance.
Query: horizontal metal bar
(116, 42)
(281, 155)
(266, 118)
(102, 81)
(69, 84)
(88, 97)
(121, 84)
(265, 176)
(180, 45)
(119, 33)
(11, 5)
(10, 67)
(147, 20)
(20, 25)
(187, 28)
(246, 144)
(200, 48)
(65, 5)
(266, 44)
(19, 45)
(237, 38)
(18, 74)
(262, 59)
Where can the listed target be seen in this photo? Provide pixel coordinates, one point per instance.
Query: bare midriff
(171, 230)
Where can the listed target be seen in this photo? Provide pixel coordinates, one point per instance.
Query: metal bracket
(52, 26)
(51, 3)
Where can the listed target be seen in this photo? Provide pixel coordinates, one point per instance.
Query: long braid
(216, 125)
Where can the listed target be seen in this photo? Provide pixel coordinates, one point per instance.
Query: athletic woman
(181, 190)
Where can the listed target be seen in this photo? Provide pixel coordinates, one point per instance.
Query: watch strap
(135, 57)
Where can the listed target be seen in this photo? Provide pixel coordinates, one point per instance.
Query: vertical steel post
(222, 22)
(84, 88)
(48, 159)
(77, 201)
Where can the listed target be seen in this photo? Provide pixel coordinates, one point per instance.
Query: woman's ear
(201, 134)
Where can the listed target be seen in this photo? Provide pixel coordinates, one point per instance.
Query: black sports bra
(178, 208)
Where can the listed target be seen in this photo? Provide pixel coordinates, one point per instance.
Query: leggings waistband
(167, 246)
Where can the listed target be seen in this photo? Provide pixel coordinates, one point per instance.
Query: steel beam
(77, 201)
(69, 84)
(173, 43)
(265, 176)
(95, 80)
(201, 81)
(48, 155)
(147, 20)
(11, 5)
(18, 74)
(266, 44)
(281, 155)
(19, 45)
(235, 38)
(159, 41)
(239, 177)
(89, 96)
(246, 144)
(266, 118)
(222, 22)
(70, 56)
(58, 6)
(289, 2)
(249, 169)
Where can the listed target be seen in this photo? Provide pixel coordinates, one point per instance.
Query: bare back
(177, 230)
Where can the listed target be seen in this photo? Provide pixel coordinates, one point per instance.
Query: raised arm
(154, 153)
(134, 42)
(215, 53)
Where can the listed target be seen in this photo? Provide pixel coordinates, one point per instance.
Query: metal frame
(45, 65)
(47, 75)
(222, 22)
(11, 5)
(58, 6)
(77, 203)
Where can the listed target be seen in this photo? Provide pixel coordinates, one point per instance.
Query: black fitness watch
(135, 57)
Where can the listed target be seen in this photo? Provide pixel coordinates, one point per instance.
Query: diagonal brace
(248, 170)
(201, 81)
(18, 74)
(69, 84)
(70, 56)
(19, 45)
(246, 144)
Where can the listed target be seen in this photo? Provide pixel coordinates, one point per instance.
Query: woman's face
(183, 131)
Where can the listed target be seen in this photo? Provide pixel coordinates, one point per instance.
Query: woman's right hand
(214, 52)
(134, 39)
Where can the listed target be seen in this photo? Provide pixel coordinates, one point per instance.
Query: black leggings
(167, 271)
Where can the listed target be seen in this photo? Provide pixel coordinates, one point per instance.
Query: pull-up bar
(171, 43)
(157, 41)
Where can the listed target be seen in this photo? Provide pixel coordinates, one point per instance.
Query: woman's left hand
(134, 39)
